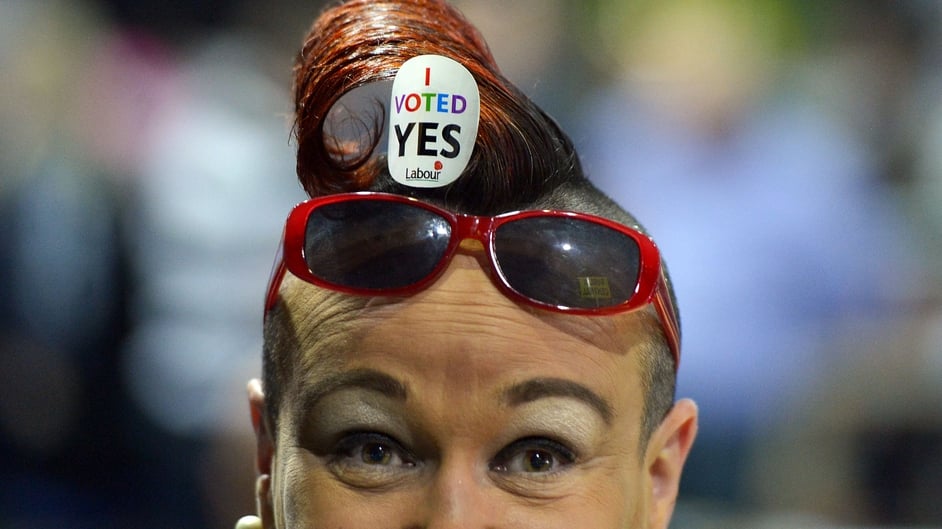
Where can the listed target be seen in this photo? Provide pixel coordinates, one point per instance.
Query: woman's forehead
(460, 324)
(463, 301)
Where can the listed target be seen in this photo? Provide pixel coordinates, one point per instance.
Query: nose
(460, 498)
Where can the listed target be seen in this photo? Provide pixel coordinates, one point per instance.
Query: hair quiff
(520, 153)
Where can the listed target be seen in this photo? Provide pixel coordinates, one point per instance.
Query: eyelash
(352, 445)
(561, 456)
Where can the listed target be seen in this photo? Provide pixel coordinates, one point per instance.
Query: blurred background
(786, 155)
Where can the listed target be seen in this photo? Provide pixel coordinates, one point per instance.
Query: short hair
(521, 159)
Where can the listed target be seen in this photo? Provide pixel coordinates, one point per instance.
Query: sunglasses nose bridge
(472, 234)
(472, 228)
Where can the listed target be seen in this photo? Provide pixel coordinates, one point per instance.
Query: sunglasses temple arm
(274, 285)
(665, 311)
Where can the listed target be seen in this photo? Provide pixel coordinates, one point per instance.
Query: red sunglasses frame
(650, 288)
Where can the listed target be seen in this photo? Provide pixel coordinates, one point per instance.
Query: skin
(458, 408)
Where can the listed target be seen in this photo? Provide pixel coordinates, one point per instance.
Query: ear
(264, 455)
(664, 459)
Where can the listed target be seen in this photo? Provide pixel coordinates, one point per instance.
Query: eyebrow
(515, 395)
(364, 378)
(541, 388)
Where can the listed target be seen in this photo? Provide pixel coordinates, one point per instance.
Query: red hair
(519, 156)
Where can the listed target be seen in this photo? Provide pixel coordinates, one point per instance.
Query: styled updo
(520, 154)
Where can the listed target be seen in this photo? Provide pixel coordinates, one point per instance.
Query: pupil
(539, 461)
(376, 454)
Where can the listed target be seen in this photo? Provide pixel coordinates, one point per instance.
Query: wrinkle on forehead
(323, 321)
(328, 322)
(466, 297)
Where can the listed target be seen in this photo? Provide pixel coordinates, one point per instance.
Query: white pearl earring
(249, 522)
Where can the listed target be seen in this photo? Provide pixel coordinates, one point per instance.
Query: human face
(458, 408)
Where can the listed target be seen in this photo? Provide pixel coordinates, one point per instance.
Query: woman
(432, 360)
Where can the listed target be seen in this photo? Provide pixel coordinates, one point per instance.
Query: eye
(374, 453)
(533, 455)
(371, 449)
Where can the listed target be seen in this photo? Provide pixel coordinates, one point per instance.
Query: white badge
(433, 123)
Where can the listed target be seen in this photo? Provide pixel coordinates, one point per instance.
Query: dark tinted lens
(567, 262)
(374, 244)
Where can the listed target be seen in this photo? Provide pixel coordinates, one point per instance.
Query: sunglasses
(380, 244)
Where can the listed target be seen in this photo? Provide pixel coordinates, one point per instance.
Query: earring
(249, 522)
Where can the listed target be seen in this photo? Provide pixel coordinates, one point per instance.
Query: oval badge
(433, 123)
